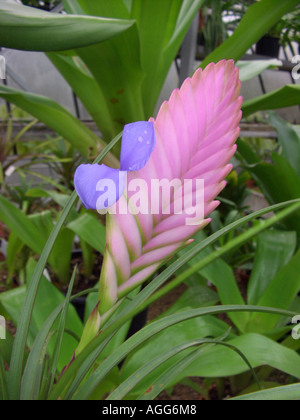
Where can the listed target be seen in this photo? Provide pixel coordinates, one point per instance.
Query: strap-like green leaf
(281, 98)
(27, 28)
(54, 116)
(144, 334)
(128, 384)
(282, 393)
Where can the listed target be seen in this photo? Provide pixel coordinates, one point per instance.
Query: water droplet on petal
(140, 139)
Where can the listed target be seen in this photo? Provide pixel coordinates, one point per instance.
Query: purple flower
(99, 186)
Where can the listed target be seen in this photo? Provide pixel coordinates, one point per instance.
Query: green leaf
(58, 349)
(235, 243)
(14, 247)
(259, 350)
(72, 6)
(274, 250)
(259, 18)
(284, 97)
(288, 139)
(18, 352)
(54, 116)
(91, 230)
(280, 293)
(162, 26)
(282, 393)
(161, 382)
(27, 28)
(60, 257)
(32, 372)
(139, 58)
(253, 68)
(278, 181)
(59, 198)
(144, 334)
(194, 297)
(120, 335)
(206, 326)
(48, 300)
(6, 346)
(221, 275)
(19, 223)
(91, 329)
(128, 384)
(33, 231)
(219, 362)
(76, 73)
(116, 67)
(142, 301)
(3, 380)
(11, 301)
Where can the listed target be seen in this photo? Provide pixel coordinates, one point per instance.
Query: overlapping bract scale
(196, 132)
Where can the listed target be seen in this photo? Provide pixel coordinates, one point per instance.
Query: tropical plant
(102, 353)
(53, 355)
(130, 53)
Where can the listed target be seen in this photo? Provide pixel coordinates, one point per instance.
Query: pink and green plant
(195, 136)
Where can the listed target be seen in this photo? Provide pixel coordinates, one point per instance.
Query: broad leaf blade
(171, 20)
(27, 28)
(90, 230)
(280, 293)
(116, 66)
(21, 225)
(275, 249)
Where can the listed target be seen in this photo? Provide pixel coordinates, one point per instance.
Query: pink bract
(196, 132)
